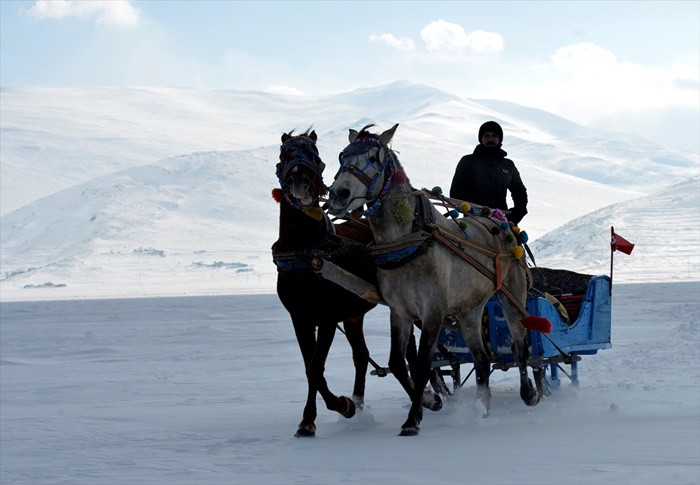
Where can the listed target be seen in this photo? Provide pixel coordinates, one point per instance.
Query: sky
(584, 61)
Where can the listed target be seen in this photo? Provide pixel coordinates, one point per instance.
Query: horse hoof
(432, 401)
(482, 409)
(359, 402)
(533, 400)
(530, 396)
(351, 408)
(410, 431)
(306, 431)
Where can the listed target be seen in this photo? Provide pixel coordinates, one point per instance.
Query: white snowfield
(210, 390)
(129, 193)
(117, 192)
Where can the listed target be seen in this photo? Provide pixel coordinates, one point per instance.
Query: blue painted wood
(588, 334)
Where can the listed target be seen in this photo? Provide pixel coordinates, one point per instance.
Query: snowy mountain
(136, 192)
(665, 228)
(55, 138)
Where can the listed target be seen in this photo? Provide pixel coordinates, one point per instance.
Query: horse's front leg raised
(343, 405)
(360, 357)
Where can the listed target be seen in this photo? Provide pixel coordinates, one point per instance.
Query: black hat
(493, 127)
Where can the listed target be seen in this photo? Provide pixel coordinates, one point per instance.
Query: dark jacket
(485, 177)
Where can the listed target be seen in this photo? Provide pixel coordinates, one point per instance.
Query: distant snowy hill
(665, 228)
(54, 138)
(134, 192)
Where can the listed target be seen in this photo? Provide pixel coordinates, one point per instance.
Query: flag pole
(612, 251)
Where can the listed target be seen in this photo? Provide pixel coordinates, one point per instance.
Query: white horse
(429, 283)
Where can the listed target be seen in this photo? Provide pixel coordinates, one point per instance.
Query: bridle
(298, 151)
(369, 169)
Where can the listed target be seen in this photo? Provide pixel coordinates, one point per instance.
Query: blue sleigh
(588, 330)
(586, 298)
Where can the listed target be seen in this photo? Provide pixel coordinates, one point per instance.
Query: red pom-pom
(538, 324)
(278, 195)
(400, 177)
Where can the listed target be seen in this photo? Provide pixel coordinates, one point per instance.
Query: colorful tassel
(403, 213)
(515, 229)
(399, 177)
(518, 252)
(463, 225)
(454, 214)
(466, 208)
(538, 324)
(505, 225)
(498, 214)
(509, 238)
(437, 190)
(523, 237)
(278, 195)
(485, 211)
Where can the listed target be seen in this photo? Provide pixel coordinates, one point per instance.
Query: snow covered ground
(210, 390)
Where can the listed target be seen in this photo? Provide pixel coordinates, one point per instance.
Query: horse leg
(360, 357)
(470, 324)
(421, 376)
(306, 337)
(411, 349)
(521, 353)
(343, 405)
(401, 332)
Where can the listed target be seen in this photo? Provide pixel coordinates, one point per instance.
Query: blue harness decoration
(398, 257)
(386, 166)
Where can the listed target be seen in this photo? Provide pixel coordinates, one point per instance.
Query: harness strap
(412, 239)
(499, 271)
(497, 278)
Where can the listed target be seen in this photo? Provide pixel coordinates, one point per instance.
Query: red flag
(619, 243)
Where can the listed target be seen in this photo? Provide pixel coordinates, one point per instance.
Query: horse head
(300, 170)
(367, 169)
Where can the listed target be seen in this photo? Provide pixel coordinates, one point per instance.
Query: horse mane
(305, 134)
(367, 134)
(399, 176)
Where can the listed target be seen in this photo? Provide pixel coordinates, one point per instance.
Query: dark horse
(312, 302)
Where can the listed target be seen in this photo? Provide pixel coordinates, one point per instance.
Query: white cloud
(443, 36)
(402, 43)
(119, 13)
(597, 84)
(286, 90)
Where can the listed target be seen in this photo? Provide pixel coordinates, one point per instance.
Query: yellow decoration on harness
(515, 229)
(316, 213)
(403, 213)
(466, 207)
(518, 252)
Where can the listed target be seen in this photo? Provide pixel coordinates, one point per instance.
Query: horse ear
(313, 136)
(285, 137)
(353, 135)
(386, 137)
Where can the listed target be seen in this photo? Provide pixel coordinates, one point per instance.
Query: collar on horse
(352, 160)
(301, 151)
